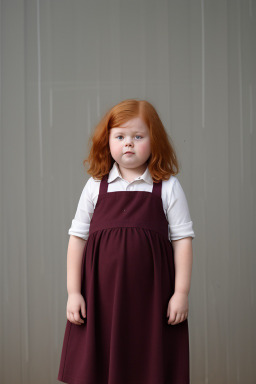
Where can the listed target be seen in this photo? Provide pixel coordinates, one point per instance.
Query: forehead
(132, 125)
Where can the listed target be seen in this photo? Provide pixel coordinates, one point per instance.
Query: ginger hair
(162, 162)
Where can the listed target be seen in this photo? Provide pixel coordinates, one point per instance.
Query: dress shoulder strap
(103, 185)
(157, 188)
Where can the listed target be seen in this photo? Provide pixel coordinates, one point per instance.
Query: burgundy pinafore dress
(127, 280)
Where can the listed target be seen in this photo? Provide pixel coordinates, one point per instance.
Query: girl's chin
(131, 165)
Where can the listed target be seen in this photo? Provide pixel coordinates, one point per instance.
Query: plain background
(63, 64)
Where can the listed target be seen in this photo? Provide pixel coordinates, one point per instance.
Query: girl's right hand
(74, 304)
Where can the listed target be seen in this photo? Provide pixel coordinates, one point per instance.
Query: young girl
(129, 258)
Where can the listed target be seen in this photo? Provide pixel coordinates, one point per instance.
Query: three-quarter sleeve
(81, 223)
(180, 223)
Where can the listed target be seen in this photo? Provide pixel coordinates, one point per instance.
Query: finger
(185, 316)
(177, 320)
(69, 316)
(83, 309)
(172, 317)
(78, 318)
(73, 319)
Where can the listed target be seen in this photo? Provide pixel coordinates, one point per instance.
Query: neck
(129, 174)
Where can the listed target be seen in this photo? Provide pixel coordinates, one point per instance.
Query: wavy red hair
(162, 162)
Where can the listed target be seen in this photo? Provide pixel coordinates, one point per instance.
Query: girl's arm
(74, 261)
(183, 258)
(177, 310)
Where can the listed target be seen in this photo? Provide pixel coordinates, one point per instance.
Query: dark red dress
(127, 280)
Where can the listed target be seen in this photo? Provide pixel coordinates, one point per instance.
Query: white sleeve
(180, 224)
(81, 222)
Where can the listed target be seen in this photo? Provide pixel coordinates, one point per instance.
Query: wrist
(74, 292)
(181, 292)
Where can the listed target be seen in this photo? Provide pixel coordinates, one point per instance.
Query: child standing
(129, 258)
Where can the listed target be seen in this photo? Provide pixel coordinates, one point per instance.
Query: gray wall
(63, 64)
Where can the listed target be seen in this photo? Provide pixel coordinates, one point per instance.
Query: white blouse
(174, 203)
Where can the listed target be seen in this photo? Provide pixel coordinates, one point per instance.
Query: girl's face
(130, 144)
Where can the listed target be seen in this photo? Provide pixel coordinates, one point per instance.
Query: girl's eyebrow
(122, 131)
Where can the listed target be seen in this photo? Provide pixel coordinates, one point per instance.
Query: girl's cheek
(116, 150)
(145, 147)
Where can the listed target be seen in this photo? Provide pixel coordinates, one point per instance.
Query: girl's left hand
(177, 309)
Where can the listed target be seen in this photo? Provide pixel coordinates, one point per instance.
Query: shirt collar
(115, 173)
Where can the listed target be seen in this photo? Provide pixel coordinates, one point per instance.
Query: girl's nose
(128, 141)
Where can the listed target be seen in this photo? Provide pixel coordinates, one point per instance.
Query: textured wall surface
(63, 64)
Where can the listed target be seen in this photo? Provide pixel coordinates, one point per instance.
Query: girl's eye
(137, 136)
